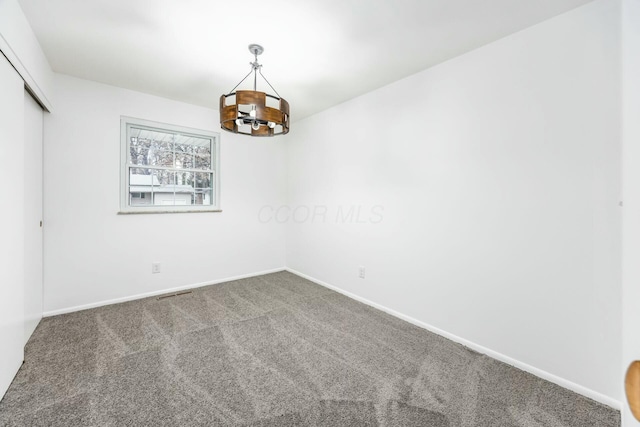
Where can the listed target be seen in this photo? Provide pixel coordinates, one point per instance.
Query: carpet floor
(273, 350)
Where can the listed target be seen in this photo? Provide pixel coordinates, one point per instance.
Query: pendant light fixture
(249, 112)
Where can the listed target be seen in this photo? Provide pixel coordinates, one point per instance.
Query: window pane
(165, 177)
(139, 151)
(184, 161)
(163, 140)
(142, 183)
(156, 147)
(183, 144)
(160, 158)
(201, 148)
(185, 178)
(202, 162)
(164, 193)
(164, 145)
(184, 188)
(139, 171)
(203, 189)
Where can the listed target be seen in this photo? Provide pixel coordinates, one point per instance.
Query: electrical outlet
(155, 267)
(361, 272)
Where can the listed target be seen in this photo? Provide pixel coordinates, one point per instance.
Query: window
(168, 168)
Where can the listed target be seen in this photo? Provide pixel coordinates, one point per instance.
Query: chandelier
(249, 112)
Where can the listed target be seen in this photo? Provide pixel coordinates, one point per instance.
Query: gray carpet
(274, 350)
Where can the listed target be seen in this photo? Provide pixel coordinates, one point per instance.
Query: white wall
(93, 255)
(631, 185)
(497, 178)
(20, 45)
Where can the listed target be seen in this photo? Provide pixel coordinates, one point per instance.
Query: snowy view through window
(168, 168)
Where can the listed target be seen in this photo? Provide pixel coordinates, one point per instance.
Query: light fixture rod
(256, 50)
(255, 68)
(245, 78)
(265, 79)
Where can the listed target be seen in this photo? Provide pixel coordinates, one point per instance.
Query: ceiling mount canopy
(249, 112)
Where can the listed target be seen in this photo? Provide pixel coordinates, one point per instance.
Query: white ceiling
(318, 53)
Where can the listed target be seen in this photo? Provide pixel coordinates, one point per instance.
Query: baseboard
(154, 293)
(598, 397)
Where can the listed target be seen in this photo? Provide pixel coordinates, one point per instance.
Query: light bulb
(252, 113)
(271, 125)
(239, 122)
(255, 125)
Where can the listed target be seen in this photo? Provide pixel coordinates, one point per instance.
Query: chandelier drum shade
(254, 113)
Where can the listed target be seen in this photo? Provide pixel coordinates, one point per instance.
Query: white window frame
(125, 124)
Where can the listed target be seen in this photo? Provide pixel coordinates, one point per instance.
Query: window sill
(169, 211)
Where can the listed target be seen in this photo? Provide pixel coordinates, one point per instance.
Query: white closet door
(11, 223)
(33, 121)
